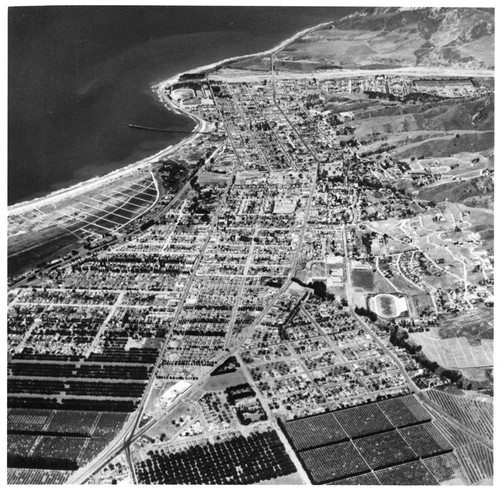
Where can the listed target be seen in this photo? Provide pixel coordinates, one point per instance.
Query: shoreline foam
(95, 182)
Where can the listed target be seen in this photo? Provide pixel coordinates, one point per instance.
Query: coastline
(159, 88)
(96, 182)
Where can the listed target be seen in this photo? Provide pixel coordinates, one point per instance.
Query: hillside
(453, 37)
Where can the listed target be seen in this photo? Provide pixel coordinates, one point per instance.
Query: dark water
(79, 75)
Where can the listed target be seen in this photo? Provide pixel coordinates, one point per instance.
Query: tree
(319, 288)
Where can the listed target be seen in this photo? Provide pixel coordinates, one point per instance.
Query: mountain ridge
(439, 36)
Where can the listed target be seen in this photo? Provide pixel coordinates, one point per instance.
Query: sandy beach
(201, 126)
(159, 89)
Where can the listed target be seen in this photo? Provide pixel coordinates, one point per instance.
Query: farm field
(475, 414)
(301, 291)
(314, 431)
(425, 439)
(363, 420)
(238, 460)
(71, 222)
(65, 440)
(340, 425)
(333, 462)
(406, 475)
(387, 442)
(385, 450)
(477, 462)
(455, 352)
(37, 476)
(367, 479)
(404, 411)
(393, 456)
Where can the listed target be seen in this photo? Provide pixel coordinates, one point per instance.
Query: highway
(119, 236)
(129, 433)
(136, 426)
(125, 437)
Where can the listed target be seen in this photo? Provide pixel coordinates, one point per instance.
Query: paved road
(364, 324)
(128, 435)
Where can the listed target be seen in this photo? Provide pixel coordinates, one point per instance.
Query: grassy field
(381, 284)
(422, 302)
(165, 425)
(475, 325)
(210, 178)
(357, 40)
(348, 47)
(448, 145)
(362, 278)
(402, 285)
(253, 63)
(454, 352)
(478, 374)
(220, 382)
(443, 116)
(476, 191)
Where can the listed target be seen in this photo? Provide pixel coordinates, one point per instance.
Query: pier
(165, 130)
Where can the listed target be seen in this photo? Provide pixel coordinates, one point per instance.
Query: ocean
(79, 75)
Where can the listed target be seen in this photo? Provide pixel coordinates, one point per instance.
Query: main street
(129, 433)
(132, 430)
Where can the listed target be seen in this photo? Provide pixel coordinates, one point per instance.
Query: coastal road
(96, 183)
(333, 74)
